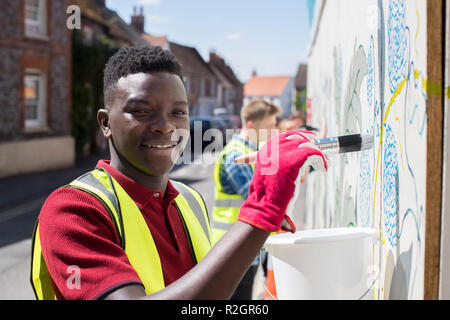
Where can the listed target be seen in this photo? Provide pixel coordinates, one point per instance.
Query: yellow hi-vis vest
(135, 237)
(226, 206)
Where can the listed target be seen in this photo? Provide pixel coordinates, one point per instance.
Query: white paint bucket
(324, 264)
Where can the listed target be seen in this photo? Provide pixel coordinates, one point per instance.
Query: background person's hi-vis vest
(226, 206)
(133, 231)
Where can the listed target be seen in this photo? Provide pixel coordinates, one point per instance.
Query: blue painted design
(417, 222)
(338, 71)
(377, 119)
(390, 191)
(397, 43)
(420, 126)
(365, 190)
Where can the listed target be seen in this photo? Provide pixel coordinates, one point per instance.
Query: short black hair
(132, 60)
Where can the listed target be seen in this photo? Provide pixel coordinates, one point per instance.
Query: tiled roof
(301, 77)
(117, 28)
(219, 64)
(160, 41)
(191, 60)
(266, 86)
(223, 79)
(121, 29)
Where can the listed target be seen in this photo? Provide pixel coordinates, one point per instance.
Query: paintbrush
(334, 145)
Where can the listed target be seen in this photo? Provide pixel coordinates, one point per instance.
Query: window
(35, 18)
(202, 87)
(213, 88)
(207, 88)
(35, 100)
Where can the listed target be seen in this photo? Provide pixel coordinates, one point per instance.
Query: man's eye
(140, 111)
(180, 113)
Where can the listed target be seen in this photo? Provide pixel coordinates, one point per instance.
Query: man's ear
(103, 122)
(250, 125)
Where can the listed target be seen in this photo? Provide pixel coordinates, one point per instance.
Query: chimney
(254, 74)
(137, 21)
(216, 59)
(212, 56)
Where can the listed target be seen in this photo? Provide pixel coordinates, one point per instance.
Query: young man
(123, 230)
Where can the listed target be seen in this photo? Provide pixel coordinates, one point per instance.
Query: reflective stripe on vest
(135, 237)
(226, 206)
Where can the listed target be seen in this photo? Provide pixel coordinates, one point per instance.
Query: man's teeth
(161, 146)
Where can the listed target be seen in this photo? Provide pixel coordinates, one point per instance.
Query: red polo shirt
(76, 230)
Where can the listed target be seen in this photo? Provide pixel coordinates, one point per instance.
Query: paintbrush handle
(329, 146)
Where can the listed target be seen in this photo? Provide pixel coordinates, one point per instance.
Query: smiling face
(144, 120)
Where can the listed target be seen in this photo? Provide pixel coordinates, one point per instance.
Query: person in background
(297, 120)
(232, 180)
(281, 123)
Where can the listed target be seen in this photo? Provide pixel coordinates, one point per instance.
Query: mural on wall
(367, 74)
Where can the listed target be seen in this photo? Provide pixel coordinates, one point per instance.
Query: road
(18, 216)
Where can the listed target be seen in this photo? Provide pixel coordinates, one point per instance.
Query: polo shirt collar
(141, 195)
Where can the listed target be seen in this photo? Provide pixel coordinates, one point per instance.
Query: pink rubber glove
(276, 170)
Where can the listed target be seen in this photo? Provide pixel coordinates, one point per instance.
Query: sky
(268, 36)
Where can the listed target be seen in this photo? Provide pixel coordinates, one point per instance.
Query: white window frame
(41, 23)
(41, 122)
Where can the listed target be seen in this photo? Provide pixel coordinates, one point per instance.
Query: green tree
(300, 101)
(88, 61)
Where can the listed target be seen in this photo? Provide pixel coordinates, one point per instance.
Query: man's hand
(313, 161)
(279, 164)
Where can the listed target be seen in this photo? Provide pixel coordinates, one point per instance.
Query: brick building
(200, 80)
(230, 91)
(35, 82)
(102, 33)
(100, 23)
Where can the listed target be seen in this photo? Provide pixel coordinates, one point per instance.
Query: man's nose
(162, 125)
